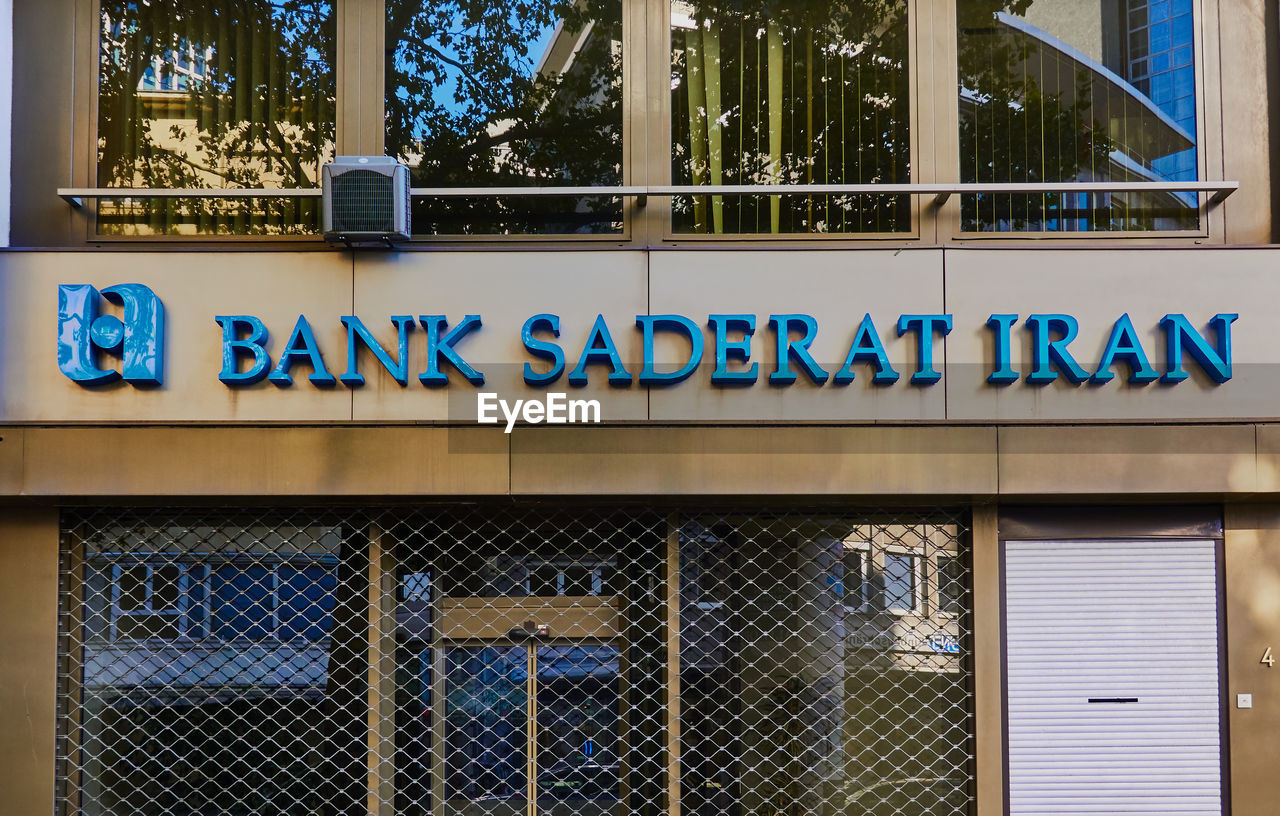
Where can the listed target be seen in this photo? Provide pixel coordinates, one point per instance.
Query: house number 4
(1267, 658)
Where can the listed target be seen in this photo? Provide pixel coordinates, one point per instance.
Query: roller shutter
(1112, 660)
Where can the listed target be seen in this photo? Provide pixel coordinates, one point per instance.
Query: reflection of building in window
(157, 601)
(1161, 66)
(190, 633)
(855, 563)
(168, 600)
(902, 583)
(1091, 91)
(815, 653)
(531, 97)
(529, 576)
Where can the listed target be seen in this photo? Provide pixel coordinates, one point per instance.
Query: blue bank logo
(85, 336)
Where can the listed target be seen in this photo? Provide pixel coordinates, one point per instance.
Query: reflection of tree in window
(1076, 92)
(209, 94)
(524, 94)
(790, 92)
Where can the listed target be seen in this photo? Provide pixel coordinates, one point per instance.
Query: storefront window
(233, 663)
(1093, 91)
(214, 667)
(793, 699)
(497, 94)
(212, 94)
(790, 93)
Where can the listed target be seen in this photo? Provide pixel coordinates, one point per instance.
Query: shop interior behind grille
(502, 661)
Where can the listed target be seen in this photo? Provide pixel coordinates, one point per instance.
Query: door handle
(1113, 699)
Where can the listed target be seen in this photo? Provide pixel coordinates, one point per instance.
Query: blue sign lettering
(85, 335)
(83, 332)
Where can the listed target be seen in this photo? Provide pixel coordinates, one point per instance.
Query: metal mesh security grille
(823, 665)
(363, 201)
(504, 661)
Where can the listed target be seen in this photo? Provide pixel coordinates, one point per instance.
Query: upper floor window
(496, 97)
(208, 94)
(532, 576)
(1090, 90)
(498, 94)
(815, 94)
(855, 574)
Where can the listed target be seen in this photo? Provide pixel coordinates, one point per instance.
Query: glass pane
(808, 93)
(791, 703)
(209, 94)
(491, 93)
(577, 579)
(950, 584)
(899, 582)
(165, 588)
(133, 588)
(178, 717)
(414, 676)
(853, 577)
(1096, 90)
(578, 727)
(486, 730)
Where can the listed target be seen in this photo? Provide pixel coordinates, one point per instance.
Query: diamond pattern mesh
(503, 660)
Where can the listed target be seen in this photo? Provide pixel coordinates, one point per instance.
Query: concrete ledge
(326, 461)
(1127, 459)
(871, 461)
(917, 462)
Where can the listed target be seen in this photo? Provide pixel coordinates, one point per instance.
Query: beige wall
(1097, 287)
(916, 463)
(1250, 64)
(505, 288)
(28, 659)
(1253, 626)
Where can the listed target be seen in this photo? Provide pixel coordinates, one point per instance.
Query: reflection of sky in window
(899, 581)
(442, 95)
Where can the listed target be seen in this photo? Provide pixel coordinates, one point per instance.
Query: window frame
(864, 569)
(181, 614)
(85, 133)
(920, 69)
(937, 598)
(647, 139)
(917, 586)
(1208, 150)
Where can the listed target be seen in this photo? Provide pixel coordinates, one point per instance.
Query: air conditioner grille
(363, 201)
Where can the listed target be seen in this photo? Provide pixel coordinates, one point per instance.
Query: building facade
(798, 408)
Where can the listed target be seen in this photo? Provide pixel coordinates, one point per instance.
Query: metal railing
(1218, 191)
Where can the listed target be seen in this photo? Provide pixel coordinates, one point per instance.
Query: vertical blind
(209, 94)
(790, 93)
(1090, 91)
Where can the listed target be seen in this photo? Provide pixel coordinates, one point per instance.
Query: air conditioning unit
(366, 200)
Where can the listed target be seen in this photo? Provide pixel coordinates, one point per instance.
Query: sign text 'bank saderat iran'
(88, 338)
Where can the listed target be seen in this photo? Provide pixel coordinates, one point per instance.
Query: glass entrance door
(532, 730)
